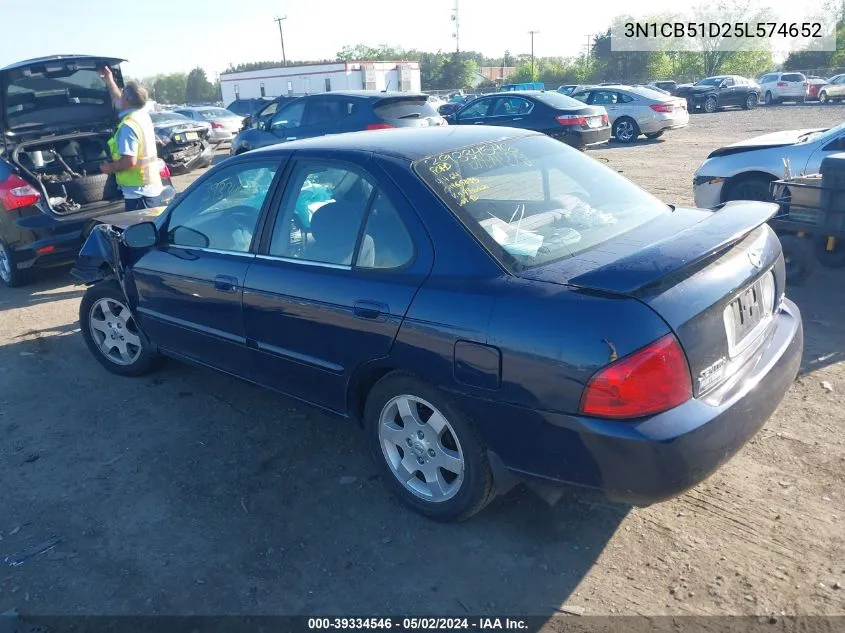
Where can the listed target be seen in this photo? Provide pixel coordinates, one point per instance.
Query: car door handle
(371, 310)
(478, 122)
(226, 283)
(519, 118)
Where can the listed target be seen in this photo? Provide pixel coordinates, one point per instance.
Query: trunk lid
(408, 111)
(56, 94)
(715, 277)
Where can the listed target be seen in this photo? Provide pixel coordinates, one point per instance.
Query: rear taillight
(165, 171)
(15, 192)
(604, 119)
(379, 126)
(571, 119)
(662, 107)
(651, 380)
(215, 125)
(781, 84)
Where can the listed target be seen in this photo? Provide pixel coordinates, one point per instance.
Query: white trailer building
(318, 78)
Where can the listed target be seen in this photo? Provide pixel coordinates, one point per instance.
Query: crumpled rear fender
(99, 257)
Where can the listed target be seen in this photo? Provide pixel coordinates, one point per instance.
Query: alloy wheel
(625, 131)
(421, 448)
(5, 264)
(710, 105)
(751, 101)
(823, 97)
(115, 332)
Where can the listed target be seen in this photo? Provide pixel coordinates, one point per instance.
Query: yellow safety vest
(146, 171)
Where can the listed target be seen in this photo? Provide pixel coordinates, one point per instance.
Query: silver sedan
(637, 110)
(225, 124)
(745, 170)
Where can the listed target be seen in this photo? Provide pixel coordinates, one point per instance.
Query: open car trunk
(66, 170)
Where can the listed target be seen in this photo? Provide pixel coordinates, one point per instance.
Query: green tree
(198, 88)
(169, 88)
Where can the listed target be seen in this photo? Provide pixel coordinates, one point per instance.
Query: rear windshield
(405, 108)
(216, 113)
(533, 200)
(161, 117)
(558, 100)
(792, 77)
(54, 94)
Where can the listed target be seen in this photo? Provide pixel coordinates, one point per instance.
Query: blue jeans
(133, 204)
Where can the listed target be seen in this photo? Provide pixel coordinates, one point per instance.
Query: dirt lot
(190, 492)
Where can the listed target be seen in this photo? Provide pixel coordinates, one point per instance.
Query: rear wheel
(10, 276)
(430, 454)
(769, 99)
(710, 105)
(751, 101)
(655, 134)
(748, 188)
(626, 130)
(111, 333)
(799, 258)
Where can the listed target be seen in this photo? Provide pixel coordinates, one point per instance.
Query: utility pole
(532, 34)
(282, 37)
(590, 45)
(457, 33)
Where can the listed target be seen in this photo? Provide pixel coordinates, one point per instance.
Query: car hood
(39, 116)
(765, 141)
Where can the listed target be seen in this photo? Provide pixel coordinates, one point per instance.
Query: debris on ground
(572, 609)
(15, 560)
(827, 386)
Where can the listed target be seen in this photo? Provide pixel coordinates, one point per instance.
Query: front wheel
(823, 99)
(430, 454)
(626, 130)
(751, 101)
(769, 99)
(111, 333)
(710, 105)
(748, 188)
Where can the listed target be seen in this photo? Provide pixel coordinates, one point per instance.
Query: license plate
(745, 313)
(594, 121)
(191, 136)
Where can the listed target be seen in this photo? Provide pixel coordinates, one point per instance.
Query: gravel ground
(191, 492)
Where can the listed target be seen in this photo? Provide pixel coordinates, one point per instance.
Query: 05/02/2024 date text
(418, 624)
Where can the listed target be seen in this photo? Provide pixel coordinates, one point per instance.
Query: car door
(830, 146)
(510, 111)
(609, 99)
(836, 88)
(474, 113)
(729, 92)
(321, 303)
(288, 122)
(187, 289)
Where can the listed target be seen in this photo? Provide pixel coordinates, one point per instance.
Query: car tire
(823, 98)
(799, 258)
(710, 105)
(108, 326)
(831, 259)
(769, 100)
(10, 275)
(94, 188)
(748, 188)
(404, 444)
(751, 101)
(654, 135)
(625, 130)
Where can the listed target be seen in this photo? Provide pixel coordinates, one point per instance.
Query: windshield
(533, 200)
(163, 117)
(819, 134)
(558, 100)
(54, 94)
(710, 81)
(216, 113)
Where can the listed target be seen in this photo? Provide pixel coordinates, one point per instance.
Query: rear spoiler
(694, 246)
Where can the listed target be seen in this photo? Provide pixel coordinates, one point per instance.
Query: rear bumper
(675, 122)
(201, 159)
(221, 136)
(659, 457)
(583, 138)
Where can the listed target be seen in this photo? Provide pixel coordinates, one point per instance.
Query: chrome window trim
(304, 262)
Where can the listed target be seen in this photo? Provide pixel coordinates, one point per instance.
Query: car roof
(407, 143)
(366, 94)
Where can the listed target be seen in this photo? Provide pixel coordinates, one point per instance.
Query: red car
(814, 84)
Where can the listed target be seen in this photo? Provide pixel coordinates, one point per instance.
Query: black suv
(56, 117)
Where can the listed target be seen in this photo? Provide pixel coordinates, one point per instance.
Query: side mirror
(142, 235)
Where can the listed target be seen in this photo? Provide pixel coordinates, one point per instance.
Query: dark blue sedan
(483, 301)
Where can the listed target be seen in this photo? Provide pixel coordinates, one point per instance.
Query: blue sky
(168, 36)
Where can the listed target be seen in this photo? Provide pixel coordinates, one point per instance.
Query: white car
(779, 87)
(637, 110)
(745, 170)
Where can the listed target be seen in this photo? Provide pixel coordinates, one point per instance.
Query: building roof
(408, 143)
(300, 65)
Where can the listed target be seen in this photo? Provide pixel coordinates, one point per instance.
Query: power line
(282, 37)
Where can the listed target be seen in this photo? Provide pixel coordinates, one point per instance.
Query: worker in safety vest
(135, 162)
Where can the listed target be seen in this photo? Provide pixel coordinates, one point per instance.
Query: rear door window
(476, 110)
